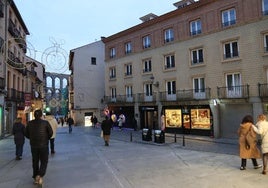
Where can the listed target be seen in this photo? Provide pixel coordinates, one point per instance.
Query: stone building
(195, 70)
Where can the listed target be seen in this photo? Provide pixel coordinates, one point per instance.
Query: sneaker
(36, 180)
(242, 168)
(258, 166)
(40, 182)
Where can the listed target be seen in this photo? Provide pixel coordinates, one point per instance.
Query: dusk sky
(74, 23)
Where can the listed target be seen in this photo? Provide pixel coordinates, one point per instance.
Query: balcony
(182, 95)
(235, 92)
(263, 90)
(145, 97)
(2, 83)
(119, 99)
(14, 95)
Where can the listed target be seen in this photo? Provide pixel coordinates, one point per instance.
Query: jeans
(70, 128)
(52, 145)
(39, 161)
(19, 150)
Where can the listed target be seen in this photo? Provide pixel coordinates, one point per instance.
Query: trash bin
(146, 135)
(159, 136)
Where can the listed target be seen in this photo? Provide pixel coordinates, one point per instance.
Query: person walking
(54, 125)
(261, 128)
(248, 148)
(18, 132)
(70, 122)
(39, 131)
(106, 127)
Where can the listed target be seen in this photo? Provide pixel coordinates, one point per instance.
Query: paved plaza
(82, 161)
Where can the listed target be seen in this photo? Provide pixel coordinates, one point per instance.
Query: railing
(143, 97)
(233, 92)
(2, 83)
(119, 98)
(191, 94)
(263, 90)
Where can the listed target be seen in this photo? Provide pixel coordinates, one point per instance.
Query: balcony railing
(2, 83)
(14, 95)
(143, 97)
(120, 99)
(233, 92)
(191, 94)
(263, 90)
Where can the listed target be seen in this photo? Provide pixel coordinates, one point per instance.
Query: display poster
(200, 119)
(173, 118)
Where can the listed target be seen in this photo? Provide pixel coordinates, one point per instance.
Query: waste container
(146, 135)
(159, 136)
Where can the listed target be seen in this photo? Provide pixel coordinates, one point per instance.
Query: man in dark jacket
(39, 132)
(106, 128)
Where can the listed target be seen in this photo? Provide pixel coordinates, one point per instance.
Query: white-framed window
(169, 35)
(228, 17)
(146, 41)
(147, 65)
(148, 92)
(171, 90)
(195, 27)
(128, 48)
(265, 7)
(233, 85)
(169, 61)
(128, 69)
(265, 38)
(231, 50)
(113, 94)
(112, 72)
(197, 56)
(112, 52)
(199, 88)
(129, 94)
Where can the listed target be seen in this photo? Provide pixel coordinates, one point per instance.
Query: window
(230, 50)
(112, 52)
(228, 17)
(233, 82)
(148, 91)
(169, 61)
(169, 35)
(113, 94)
(265, 7)
(147, 65)
(128, 69)
(146, 41)
(171, 90)
(199, 88)
(266, 43)
(93, 61)
(195, 27)
(199, 85)
(197, 56)
(129, 91)
(112, 72)
(128, 48)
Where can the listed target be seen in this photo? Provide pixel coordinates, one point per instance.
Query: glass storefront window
(173, 118)
(200, 119)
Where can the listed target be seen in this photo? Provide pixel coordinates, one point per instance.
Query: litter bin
(146, 135)
(159, 136)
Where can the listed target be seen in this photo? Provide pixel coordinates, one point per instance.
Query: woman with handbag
(247, 143)
(262, 129)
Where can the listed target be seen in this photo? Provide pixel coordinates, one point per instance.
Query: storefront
(149, 117)
(196, 120)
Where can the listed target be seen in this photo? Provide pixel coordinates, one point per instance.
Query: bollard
(130, 136)
(183, 141)
(175, 138)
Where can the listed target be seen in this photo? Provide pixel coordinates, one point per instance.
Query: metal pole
(130, 136)
(175, 138)
(183, 141)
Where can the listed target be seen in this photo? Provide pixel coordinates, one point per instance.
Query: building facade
(195, 70)
(86, 88)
